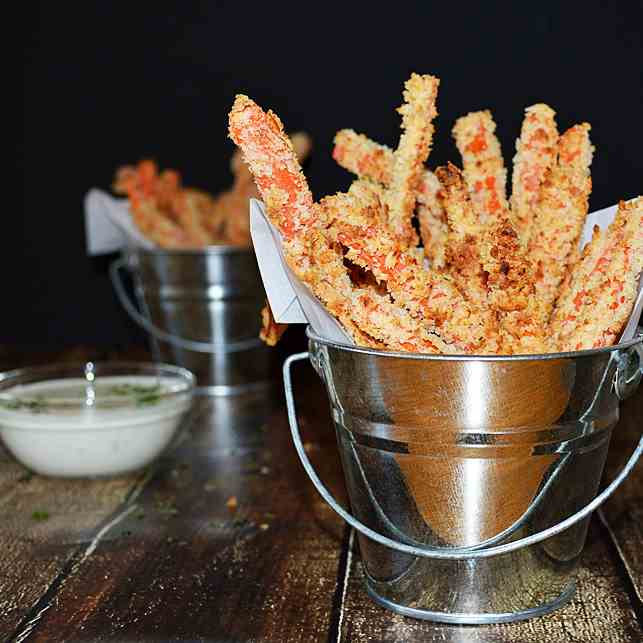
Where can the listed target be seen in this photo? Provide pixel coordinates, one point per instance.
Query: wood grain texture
(600, 611)
(35, 552)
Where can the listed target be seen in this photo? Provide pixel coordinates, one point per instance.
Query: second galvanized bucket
(202, 311)
(471, 479)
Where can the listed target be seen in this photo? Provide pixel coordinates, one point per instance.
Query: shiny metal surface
(203, 312)
(460, 452)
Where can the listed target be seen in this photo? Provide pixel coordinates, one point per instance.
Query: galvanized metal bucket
(471, 479)
(201, 309)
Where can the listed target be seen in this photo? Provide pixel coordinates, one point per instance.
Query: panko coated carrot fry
(156, 226)
(432, 218)
(465, 236)
(272, 161)
(369, 160)
(598, 302)
(418, 111)
(429, 297)
(142, 178)
(189, 217)
(151, 198)
(271, 331)
(315, 260)
(488, 263)
(289, 203)
(483, 164)
(560, 212)
(535, 154)
(363, 157)
(511, 291)
(370, 317)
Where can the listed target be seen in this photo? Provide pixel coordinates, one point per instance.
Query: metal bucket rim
(208, 250)
(638, 339)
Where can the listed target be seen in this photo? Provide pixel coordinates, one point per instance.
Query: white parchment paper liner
(109, 226)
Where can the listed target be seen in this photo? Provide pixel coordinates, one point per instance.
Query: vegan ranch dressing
(86, 427)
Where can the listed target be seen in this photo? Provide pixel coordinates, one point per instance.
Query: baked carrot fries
(493, 274)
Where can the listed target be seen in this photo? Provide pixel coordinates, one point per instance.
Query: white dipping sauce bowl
(94, 419)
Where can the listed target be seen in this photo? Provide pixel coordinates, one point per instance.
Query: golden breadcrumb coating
(153, 200)
(494, 293)
(369, 160)
(418, 111)
(432, 218)
(428, 296)
(158, 227)
(598, 302)
(511, 291)
(271, 331)
(535, 154)
(190, 218)
(484, 169)
(270, 156)
(363, 157)
(369, 317)
(560, 212)
(463, 247)
(226, 217)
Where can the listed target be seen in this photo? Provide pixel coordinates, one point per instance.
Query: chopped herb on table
(40, 516)
(166, 508)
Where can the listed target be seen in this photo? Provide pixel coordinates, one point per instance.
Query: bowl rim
(63, 370)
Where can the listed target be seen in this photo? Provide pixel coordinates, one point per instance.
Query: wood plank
(36, 550)
(185, 566)
(600, 611)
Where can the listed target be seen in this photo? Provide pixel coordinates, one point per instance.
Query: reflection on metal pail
(471, 479)
(202, 311)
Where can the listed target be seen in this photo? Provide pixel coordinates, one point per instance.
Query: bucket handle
(158, 333)
(439, 554)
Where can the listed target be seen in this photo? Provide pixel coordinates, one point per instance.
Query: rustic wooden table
(225, 539)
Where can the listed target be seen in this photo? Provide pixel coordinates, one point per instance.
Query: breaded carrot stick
(427, 296)
(560, 212)
(488, 263)
(316, 261)
(270, 156)
(464, 240)
(271, 331)
(535, 154)
(363, 157)
(190, 218)
(271, 159)
(418, 111)
(595, 307)
(483, 164)
(156, 226)
(432, 218)
(151, 198)
(369, 160)
(511, 291)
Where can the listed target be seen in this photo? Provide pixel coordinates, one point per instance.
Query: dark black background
(108, 82)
